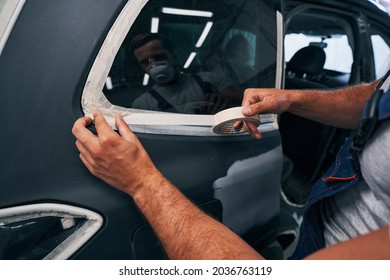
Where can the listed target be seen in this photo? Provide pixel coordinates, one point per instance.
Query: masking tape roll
(224, 120)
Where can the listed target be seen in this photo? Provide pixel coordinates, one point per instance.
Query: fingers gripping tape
(224, 120)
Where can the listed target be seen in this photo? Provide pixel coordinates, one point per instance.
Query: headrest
(308, 60)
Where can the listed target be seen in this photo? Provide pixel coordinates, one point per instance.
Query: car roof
(367, 6)
(322, 25)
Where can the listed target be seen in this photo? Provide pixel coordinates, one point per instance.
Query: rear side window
(186, 57)
(45, 231)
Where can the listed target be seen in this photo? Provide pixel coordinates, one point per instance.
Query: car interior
(317, 32)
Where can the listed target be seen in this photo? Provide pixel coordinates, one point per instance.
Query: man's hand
(185, 231)
(119, 160)
(260, 100)
(335, 107)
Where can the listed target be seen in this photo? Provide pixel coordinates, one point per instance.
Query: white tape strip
(220, 123)
(159, 118)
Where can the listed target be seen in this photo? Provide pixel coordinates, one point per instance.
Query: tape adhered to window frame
(220, 123)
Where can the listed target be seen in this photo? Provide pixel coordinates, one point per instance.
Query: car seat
(304, 70)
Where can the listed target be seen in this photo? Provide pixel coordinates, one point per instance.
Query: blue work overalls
(342, 175)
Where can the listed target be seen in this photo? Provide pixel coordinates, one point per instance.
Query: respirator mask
(161, 72)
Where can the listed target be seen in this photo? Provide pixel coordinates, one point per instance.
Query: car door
(74, 60)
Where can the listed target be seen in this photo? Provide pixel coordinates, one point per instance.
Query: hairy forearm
(184, 230)
(340, 108)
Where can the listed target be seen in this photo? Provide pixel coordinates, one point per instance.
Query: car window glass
(191, 58)
(381, 51)
(186, 57)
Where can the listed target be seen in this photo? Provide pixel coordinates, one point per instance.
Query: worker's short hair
(144, 38)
